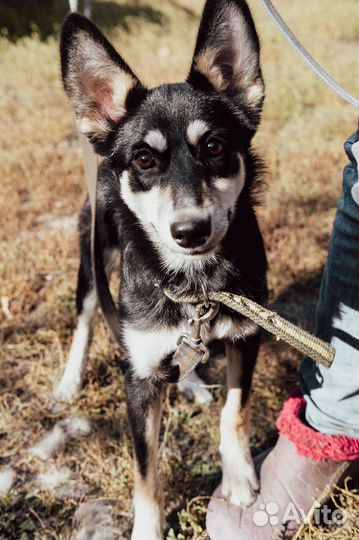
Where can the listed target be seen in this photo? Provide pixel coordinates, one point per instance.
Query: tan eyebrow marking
(196, 130)
(155, 139)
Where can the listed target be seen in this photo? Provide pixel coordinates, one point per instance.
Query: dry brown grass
(301, 137)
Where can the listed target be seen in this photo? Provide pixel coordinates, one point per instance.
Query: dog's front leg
(239, 481)
(144, 410)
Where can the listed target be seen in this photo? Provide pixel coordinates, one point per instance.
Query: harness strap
(104, 295)
(108, 307)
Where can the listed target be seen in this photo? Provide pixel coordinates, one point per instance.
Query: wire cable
(339, 90)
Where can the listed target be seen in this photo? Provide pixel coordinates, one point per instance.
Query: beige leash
(290, 333)
(300, 339)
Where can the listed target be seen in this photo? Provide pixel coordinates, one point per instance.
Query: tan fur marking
(255, 93)
(234, 366)
(205, 64)
(148, 496)
(156, 140)
(195, 130)
(239, 481)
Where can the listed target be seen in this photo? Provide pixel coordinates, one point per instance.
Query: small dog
(177, 188)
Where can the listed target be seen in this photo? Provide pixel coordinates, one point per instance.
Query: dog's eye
(214, 148)
(145, 160)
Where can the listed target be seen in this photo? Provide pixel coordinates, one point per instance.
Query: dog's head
(178, 150)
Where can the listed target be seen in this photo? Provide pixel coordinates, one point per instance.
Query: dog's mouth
(199, 251)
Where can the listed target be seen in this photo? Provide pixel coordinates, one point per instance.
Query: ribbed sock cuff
(311, 443)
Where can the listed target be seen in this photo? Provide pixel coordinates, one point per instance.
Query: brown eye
(214, 148)
(145, 160)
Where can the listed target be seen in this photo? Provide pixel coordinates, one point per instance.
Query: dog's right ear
(226, 57)
(98, 82)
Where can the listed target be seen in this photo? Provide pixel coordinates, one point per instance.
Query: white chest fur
(148, 348)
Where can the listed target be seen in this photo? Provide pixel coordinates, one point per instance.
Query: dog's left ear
(226, 56)
(99, 83)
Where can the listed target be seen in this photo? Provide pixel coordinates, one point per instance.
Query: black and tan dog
(176, 190)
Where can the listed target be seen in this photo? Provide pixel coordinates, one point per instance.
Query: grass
(42, 189)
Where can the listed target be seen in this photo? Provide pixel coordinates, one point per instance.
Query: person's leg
(318, 444)
(332, 395)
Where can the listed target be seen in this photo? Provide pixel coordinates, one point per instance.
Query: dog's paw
(193, 388)
(67, 389)
(240, 487)
(147, 530)
(149, 522)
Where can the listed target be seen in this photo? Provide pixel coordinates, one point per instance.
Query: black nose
(191, 234)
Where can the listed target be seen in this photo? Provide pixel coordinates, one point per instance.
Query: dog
(177, 191)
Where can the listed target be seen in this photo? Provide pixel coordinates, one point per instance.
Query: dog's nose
(191, 234)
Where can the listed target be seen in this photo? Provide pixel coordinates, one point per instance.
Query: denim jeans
(332, 394)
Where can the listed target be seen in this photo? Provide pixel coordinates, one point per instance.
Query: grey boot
(296, 478)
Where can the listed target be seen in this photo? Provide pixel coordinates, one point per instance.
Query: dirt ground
(42, 188)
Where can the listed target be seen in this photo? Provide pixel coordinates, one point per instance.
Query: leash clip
(191, 350)
(202, 317)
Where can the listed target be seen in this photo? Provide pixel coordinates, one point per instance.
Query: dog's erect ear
(96, 79)
(226, 57)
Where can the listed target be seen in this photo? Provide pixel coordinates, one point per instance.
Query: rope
(269, 320)
(339, 90)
